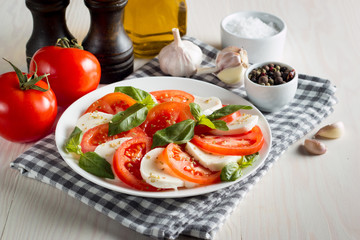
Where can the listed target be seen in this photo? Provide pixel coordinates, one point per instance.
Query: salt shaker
(49, 24)
(107, 39)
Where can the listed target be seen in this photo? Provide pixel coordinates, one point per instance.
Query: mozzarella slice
(153, 98)
(93, 119)
(240, 125)
(208, 104)
(108, 149)
(208, 160)
(157, 173)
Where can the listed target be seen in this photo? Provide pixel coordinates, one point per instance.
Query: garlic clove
(233, 75)
(180, 58)
(231, 57)
(314, 147)
(334, 130)
(227, 60)
(232, 63)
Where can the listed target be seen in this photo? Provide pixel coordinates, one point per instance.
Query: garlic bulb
(180, 58)
(334, 130)
(314, 147)
(231, 64)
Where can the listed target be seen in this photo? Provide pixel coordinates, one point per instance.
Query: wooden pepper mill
(108, 41)
(49, 24)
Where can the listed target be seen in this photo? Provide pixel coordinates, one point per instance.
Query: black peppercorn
(263, 80)
(271, 74)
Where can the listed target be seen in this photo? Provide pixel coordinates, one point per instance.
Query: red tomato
(243, 144)
(164, 115)
(73, 72)
(127, 160)
(112, 103)
(25, 115)
(99, 134)
(185, 167)
(173, 96)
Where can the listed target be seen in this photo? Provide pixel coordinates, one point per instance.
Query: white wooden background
(301, 197)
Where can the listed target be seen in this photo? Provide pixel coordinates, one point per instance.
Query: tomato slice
(99, 134)
(164, 115)
(242, 144)
(173, 96)
(185, 167)
(127, 160)
(112, 103)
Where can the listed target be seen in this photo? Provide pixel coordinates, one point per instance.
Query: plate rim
(60, 139)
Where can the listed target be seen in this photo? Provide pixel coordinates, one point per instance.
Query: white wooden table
(301, 197)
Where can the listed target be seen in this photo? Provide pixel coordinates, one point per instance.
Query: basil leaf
(94, 164)
(73, 142)
(226, 110)
(149, 102)
(249, 159)
(128, 119)
(136, 93)
(179, 133)
(233, 171)
(195, 110)
(230, 172)
(139, 95)
(205, 121)
(221, 125)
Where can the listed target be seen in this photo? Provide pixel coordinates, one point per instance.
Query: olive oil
(149, 24)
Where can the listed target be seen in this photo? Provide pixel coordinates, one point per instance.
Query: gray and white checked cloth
(199, 216)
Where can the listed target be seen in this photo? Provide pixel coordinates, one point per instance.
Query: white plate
(68, 120)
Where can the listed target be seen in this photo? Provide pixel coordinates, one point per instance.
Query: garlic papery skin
(231, 57)
(180, 58)
(334, 130)
(314, 147)
(231, 64)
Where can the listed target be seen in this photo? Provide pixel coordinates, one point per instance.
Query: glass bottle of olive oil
(149, 24)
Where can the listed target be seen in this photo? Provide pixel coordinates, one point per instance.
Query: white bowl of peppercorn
(271, 85)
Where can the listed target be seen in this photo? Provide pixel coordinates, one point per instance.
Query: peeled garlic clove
(334, 130)
(232, 76)
(314, 147)
(180, 58)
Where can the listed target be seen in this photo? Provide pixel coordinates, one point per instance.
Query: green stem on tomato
(66, 43)
(26, 83)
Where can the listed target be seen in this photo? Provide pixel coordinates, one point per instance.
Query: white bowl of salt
(261, 34)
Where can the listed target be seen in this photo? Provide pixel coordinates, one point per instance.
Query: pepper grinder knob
(107, 39)
(49, 24)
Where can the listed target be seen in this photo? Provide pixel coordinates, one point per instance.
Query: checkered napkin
(199, 216)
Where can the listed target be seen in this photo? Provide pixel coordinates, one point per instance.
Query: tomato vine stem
(26, 83)
(66, 43)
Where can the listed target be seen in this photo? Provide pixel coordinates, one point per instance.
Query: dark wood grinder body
(108, 41)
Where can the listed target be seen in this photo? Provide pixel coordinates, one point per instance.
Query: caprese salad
(166, 139)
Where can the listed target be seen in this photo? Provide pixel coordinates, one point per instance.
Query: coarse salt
(251, 27)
